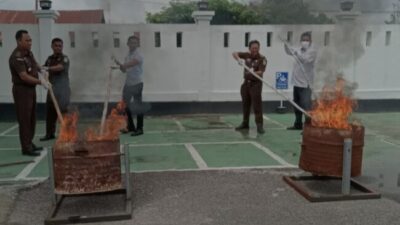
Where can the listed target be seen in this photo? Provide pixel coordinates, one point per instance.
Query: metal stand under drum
(324, 188)
(59, 200)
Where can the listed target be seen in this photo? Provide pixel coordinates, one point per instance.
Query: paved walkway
(209, 143)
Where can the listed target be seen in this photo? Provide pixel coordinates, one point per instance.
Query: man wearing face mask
(251, 89)
(133, 87)
(302, 77)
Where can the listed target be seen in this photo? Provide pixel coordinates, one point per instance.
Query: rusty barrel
(87, 167)
(322, 150)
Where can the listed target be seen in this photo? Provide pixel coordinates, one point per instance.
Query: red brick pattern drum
(87, 167)
(322, 150)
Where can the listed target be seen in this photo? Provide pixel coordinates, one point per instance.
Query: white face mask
(305, 44)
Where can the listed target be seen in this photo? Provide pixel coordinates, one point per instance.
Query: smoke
(345, 48)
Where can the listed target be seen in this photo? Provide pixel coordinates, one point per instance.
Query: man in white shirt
(302, 76)
(133, 88)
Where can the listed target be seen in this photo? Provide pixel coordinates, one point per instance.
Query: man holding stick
(24, 72)
(302, 77)
(133, 87)
(58, 66)
(251, 89)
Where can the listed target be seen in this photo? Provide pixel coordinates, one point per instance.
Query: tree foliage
(395, 15)
(289, 12)
(233, 12)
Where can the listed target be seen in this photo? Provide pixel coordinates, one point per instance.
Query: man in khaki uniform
(58, 66)
(24, 72)
(251, 88)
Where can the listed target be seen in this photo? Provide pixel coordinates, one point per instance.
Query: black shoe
(294, 128)
(260, 129)
(242, 127)
(36, 148)
(30, 153)
(137, 133)
(47, 137)
(126, 130)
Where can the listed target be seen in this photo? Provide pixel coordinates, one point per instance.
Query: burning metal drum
(87, 167)
(322, 150)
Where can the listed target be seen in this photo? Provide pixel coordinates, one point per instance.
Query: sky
(157, 4)
(74, 4)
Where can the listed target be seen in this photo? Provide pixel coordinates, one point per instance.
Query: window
(327, 38)
(226, 39)
(95, 38)
(269, 39)
(369, 38)
(179, 39)
(289, 37)
(246, 39)
(388, 38)
(116, 40)
(157, 39)
(72, 39)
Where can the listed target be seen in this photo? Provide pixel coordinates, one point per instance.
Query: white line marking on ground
(9, 130)
(193, 143)
(196, 156)
(217, 169)
(390, 143)
(28, 169)
(381, 137)
(179, 124)
(272, 155)
(274, 121)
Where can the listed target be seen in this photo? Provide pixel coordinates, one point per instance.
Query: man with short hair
(24, 72)
(302, 77)
(133, 87)
(251, 89)
(58, 66)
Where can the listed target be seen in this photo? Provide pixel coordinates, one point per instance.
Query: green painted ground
(214, 140)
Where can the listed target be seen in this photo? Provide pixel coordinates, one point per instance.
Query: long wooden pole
(106, 100)
(274, 89)
(55, 102)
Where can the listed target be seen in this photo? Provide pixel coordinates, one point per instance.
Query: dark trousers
(302, 97)
(251, 95)
(25, 107)
(51, 115)
(135, 92)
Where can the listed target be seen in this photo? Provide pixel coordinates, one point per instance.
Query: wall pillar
(203, 20)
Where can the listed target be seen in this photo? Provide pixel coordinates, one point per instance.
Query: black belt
(252, 81)
(24, 85)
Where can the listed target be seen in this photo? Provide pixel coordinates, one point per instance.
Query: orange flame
(68, 130)
(114, 122)
(333, 108)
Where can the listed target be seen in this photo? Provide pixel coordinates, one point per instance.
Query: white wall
(202, 70)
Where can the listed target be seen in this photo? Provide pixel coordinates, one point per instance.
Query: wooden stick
(106, 100)
(55, 102)
(274, 89)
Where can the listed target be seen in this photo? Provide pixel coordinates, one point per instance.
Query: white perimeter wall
(203, 69)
